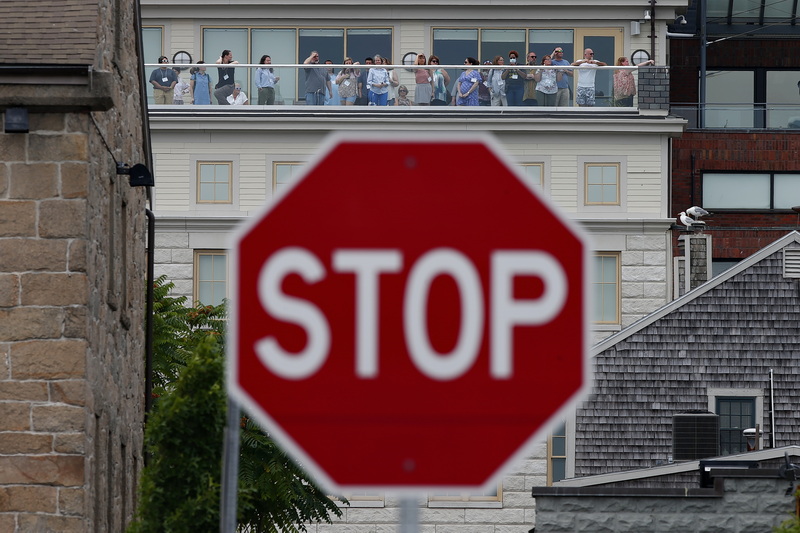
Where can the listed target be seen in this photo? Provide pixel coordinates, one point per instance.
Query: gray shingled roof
(726, 334)
(48, 32)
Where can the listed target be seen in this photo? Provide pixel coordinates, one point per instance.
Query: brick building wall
(736, 234)
(72, 267)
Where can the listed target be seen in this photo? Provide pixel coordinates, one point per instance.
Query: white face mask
(512, 60)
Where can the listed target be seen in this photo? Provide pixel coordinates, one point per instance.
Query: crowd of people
(375, 83)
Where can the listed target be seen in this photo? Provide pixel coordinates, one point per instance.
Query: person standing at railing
(497, 85)
(378, 82)
(547, 83)
(514, 80)
(363, 88)
(562, 95)
(424, 88)
(317, 82)
(529, 94)
(347, 80)
(163, 80)
(441, 79)
(624, 84)
(334, 98)
(224, 87)
(265, 82)
(394, 82)
(468, 83)
(586, 75)
(484, 94)
(181, 88)
(200, 85)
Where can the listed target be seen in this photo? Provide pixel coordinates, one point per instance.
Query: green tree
(180, 486)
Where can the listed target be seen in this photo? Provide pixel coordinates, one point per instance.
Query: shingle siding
(727, 338)
(70, 27)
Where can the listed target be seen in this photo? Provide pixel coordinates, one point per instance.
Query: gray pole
(409, 515)
(701, 115)
(230, 470)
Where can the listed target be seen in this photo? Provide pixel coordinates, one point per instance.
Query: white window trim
(600, 210)
(758, 394)
(207, 207)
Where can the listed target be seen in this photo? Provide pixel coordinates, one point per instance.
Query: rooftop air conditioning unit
(695, 435)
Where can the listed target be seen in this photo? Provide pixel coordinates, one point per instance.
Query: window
(557, 454)
(729, 99)
(602, 184)
(500, 42)
(735, 415)
(534, 172)
(283, 174)
(606, 288)
(755, 98)
(214, 182)
(764, 191)
(211, 275)
(292, 45)
(492, 498)
(153, 45)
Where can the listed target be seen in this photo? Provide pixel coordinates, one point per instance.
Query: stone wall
(745, 505)
(72, 266)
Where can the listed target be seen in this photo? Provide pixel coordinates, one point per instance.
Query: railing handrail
(388, 67)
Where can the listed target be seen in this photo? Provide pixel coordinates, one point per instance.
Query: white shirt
(240, 99)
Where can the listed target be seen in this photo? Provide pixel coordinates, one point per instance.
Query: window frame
(194, 183)
(551, 455)
(587, 166)
(602, 209)
(772, 195)
(196, 281)
(544, 171)
(618, 291)
(757, 395)
(228, 164)
(276, 191)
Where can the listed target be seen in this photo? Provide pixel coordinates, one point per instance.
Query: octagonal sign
(409, 314)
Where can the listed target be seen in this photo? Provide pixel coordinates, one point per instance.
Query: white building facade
(607, 167)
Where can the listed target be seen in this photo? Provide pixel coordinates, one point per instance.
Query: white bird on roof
(688, 221)
(697, 212)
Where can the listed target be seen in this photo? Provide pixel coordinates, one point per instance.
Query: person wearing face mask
(514, 79)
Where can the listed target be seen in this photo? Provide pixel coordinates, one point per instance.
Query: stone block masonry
(72, 256)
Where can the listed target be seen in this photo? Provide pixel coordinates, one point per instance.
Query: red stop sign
(408, 315)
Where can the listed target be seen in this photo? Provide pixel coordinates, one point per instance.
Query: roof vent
(791, 262)
(695, 435)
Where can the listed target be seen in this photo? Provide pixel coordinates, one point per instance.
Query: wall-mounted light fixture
(680, 19)
(138, 175)
(16, 120)
(646, 14)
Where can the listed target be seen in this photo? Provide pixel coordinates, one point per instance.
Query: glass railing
(293, 85)
(740, 115)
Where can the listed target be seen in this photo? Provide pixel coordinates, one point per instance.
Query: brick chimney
(693, 268)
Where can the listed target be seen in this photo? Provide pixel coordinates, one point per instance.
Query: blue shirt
(564, 83)
(265, 78)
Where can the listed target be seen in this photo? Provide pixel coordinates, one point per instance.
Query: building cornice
(568, 120)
